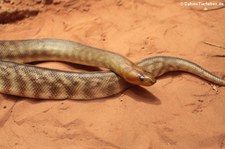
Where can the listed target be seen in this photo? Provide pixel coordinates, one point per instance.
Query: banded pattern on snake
(30, 81)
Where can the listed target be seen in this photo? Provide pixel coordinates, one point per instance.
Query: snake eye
(141, 77)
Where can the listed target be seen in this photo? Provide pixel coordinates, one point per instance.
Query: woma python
(17, 78)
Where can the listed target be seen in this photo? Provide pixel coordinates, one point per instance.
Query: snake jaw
(138, 76)
(147, 79)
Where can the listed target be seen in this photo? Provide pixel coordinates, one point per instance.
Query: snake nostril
(153, 80)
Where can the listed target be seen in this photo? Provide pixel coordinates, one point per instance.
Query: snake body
(17, 78)
(25, 51)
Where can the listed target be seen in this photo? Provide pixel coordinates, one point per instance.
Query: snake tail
(160, 65)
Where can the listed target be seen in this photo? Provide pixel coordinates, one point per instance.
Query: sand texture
(180, 111)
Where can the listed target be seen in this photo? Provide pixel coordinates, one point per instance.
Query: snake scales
(30, 81)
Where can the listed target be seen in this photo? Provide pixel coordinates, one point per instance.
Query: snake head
(138, 76)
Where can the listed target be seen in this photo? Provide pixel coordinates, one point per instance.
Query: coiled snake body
(30, 81)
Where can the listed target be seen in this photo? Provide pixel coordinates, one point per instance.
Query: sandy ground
(179, 111)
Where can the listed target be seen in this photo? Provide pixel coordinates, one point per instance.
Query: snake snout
(139, 77)
(147, 79)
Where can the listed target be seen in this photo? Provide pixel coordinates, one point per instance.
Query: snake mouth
(147, 79)
(138, 76)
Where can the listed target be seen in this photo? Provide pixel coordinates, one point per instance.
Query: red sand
(179, 111)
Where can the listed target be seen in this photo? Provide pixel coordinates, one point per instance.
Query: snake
(19, 78)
